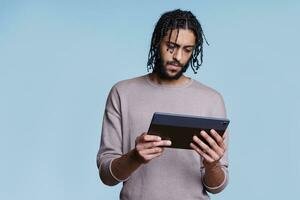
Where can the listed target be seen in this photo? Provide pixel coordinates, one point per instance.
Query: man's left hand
(213, 152)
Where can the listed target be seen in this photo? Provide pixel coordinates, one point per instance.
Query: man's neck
(182, 80)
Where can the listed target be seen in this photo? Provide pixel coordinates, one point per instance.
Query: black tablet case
(180, 129)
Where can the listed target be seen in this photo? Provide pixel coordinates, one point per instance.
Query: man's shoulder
(199, 86)
(130, 84)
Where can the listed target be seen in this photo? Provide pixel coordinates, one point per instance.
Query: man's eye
(171, 46)
(188, 50)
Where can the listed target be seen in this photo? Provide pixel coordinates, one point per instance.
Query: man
(127, 154)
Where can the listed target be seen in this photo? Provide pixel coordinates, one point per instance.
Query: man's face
(175, 54)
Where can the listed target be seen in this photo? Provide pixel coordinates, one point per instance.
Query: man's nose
(177, 55)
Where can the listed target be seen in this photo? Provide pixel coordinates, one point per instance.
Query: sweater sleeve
(219, 111)
(111, 138)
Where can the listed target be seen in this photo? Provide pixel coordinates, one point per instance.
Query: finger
(212, 144)
(166, 143)
(219, 140)
(206, 149)
(201, 153)
(224, 135)
(148, 145)
(216, 136)
(146, 158)
(148, 138)
(151, 151)
(157, 144)
(149, 157)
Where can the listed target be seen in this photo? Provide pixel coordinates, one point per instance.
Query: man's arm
(113, 164)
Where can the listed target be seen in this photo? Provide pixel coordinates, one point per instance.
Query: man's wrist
(134, 157)
(214, 166)
(214, 174)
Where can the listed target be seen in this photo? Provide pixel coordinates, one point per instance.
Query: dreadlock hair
(172, 20)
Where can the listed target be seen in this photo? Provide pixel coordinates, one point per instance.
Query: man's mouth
(174, 67)
(174, 64)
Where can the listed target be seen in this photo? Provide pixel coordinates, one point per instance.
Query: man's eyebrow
(189, 46)
(177, 45)
(169, 42)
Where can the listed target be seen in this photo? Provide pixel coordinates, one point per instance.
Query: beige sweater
(177, 174)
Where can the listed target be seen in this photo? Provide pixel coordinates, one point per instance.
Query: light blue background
(59, 59)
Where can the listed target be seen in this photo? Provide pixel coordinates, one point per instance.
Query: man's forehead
(185, 37)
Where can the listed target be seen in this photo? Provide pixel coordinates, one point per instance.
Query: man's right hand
(148, 147)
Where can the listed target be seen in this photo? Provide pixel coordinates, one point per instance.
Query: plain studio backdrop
(59, 59)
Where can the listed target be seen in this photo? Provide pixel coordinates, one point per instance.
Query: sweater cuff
(220, 187)
(105, 173)
(119, 180)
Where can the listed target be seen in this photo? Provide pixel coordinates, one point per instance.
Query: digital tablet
(180, 129)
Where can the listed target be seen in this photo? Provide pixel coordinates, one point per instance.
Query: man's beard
(160, 69)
